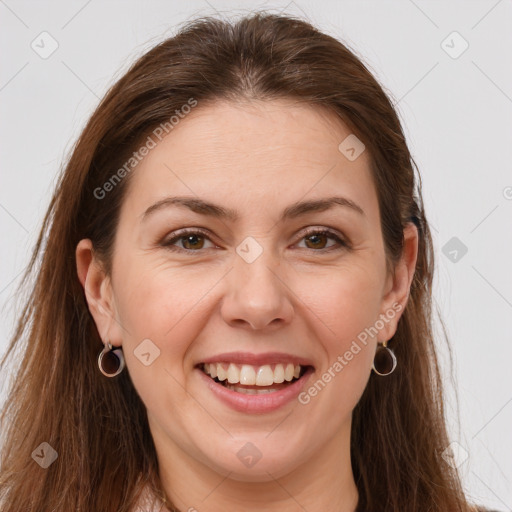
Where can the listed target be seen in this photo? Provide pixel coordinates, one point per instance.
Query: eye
(192, 240)
(318, 237)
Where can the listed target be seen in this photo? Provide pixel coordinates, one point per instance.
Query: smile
(249, 388)
(250, 375)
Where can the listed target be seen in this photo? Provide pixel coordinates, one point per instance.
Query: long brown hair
(98, 426)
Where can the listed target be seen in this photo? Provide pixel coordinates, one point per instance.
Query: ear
(98, 293)
(397, 287)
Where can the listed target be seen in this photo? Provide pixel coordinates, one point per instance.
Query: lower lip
(266, 402)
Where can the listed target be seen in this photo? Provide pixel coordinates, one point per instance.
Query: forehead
(251, 152)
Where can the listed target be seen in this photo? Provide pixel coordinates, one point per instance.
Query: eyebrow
(295, 210)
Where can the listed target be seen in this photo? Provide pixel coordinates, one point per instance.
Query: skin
(296, 297)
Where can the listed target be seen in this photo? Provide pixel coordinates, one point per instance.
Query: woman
(232, 308)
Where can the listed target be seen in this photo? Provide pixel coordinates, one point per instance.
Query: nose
(257, 296)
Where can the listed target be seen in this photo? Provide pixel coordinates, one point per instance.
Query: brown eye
(317, 240)
(192, 240)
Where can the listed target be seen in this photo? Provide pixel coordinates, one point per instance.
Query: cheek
(348, 303)
(349, 306)
(154, 300)
(173, 304)
(159, 312)
(347, 300)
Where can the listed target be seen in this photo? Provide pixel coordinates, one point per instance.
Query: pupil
(191, 239)
(317, 237)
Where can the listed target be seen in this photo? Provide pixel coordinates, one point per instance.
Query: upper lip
(257, 359)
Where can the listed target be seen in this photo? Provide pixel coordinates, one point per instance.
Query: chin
(249, 464)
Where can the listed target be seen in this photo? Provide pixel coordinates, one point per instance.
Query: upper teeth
(252, 375)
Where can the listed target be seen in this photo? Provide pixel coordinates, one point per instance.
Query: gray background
(457, 112)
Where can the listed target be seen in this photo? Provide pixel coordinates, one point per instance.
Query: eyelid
(180, 233)
(342, 241)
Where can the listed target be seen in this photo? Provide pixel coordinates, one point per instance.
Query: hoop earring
(384, 362)
(111, 361)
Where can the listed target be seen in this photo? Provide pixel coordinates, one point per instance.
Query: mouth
(255, 380)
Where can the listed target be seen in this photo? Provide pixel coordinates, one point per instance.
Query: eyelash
(169, 244)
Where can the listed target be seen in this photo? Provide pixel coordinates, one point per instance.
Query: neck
(323, 482)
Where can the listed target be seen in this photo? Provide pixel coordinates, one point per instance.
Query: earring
(111, 361)
(384, 362)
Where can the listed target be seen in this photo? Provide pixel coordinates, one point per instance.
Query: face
(257, 276)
